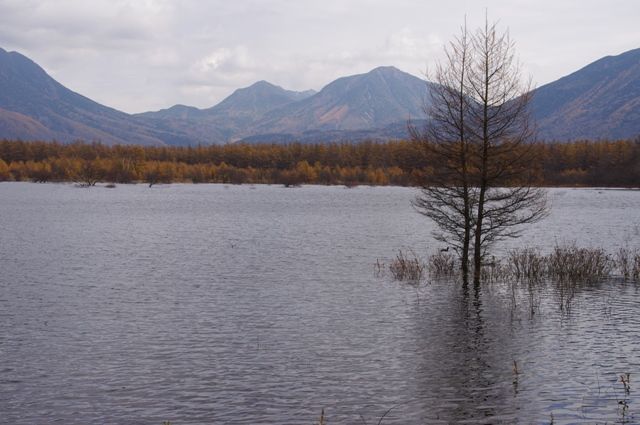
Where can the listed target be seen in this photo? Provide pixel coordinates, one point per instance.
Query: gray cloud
(139, 55)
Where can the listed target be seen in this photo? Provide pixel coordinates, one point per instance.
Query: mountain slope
(14, 125)
(601, 100)
(35, 106)
(373, 100)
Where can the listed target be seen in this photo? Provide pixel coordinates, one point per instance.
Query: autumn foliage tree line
(401, 163)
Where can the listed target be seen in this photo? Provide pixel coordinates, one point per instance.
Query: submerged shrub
(406, 266)
(568, 268)
(628, 263)
(526, 263)
(442, 264)
(572, 263)
(495, 271)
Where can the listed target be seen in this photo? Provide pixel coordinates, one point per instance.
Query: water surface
(205, 304)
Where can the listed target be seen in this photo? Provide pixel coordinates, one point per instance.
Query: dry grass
(406, 267)
(569, 266)
(443, 264)
(526, 263)
(569, 262)
(495, 271)
(378, 268)
(628, 263)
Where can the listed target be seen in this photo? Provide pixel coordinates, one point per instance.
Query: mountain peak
(263, 84)
(264, 87)
(385, 70)
(378, 98)
(257, 99)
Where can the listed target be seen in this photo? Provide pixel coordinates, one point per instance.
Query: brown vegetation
(564, 263)
(398, 163)
(628, 262)
(407, 266)
(442, 264)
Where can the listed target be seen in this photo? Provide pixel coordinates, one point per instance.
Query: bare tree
(89, 173)
(499, 126)
(448, 197)
(480, 138)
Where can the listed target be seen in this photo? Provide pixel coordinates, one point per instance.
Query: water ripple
(203, 304)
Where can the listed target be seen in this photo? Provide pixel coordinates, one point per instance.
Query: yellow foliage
(5, 174)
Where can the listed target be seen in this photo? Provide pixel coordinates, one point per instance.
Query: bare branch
(479, 139)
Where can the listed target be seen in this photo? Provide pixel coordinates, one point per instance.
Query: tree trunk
(477, 249)
(465, 258)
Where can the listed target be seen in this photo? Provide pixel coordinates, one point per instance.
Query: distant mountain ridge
(258, 98)
(601, 100)
(35, 106)
(363, 102)
(227, 120)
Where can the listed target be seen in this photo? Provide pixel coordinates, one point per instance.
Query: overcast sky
(139, 55)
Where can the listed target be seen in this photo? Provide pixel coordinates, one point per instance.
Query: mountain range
(601, 100)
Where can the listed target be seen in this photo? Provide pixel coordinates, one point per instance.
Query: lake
(214, 304)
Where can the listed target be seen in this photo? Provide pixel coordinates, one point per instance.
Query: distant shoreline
(605, 164)
(106, 185)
